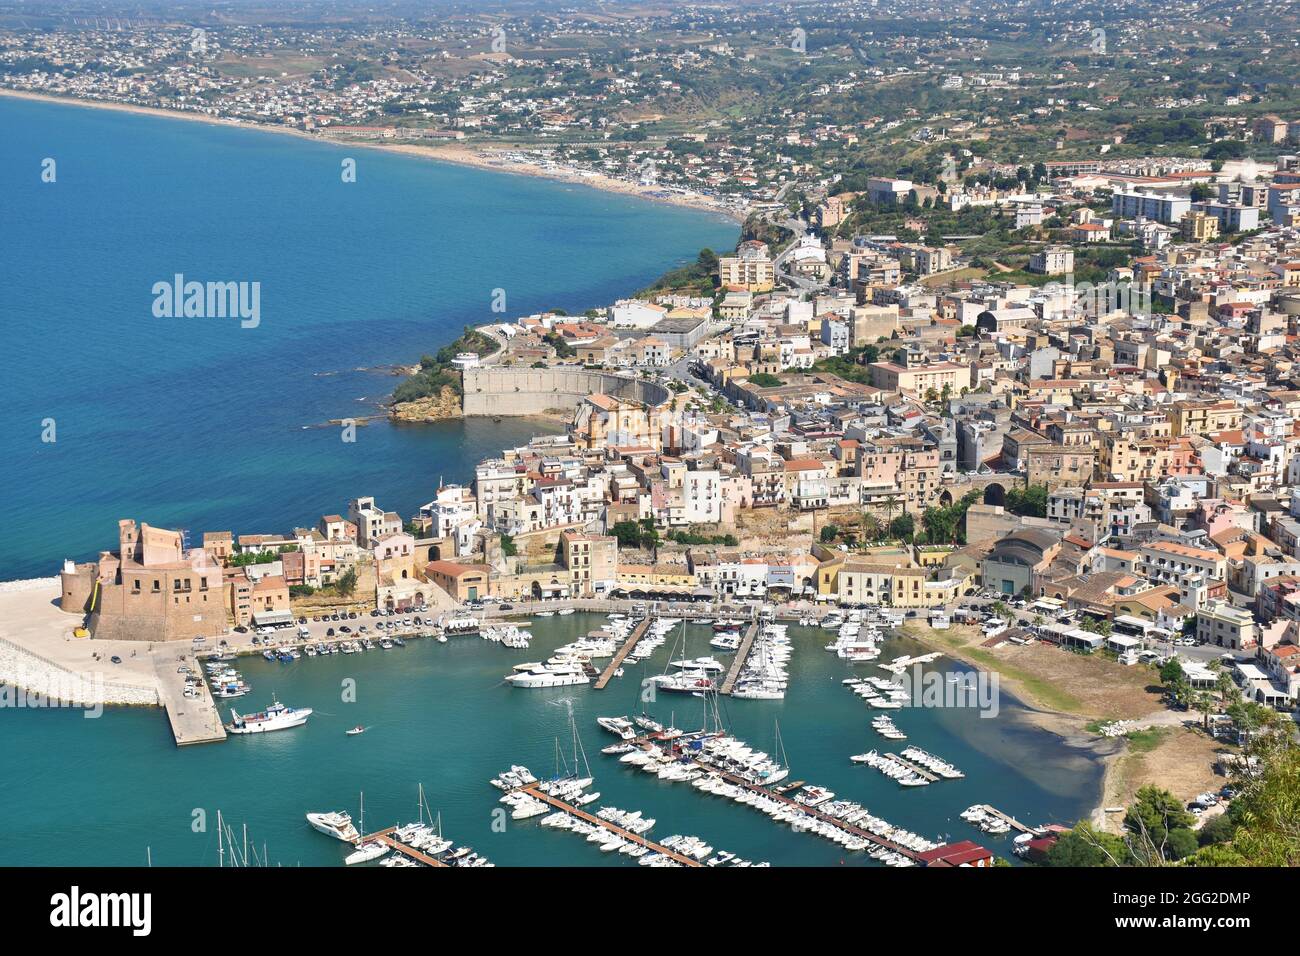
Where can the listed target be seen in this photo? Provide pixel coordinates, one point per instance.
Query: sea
(111, 411)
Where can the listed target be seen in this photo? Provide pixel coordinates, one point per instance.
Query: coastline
(1070, 728)
(482, 157)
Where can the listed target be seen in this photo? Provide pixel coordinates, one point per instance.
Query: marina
(624, 836)
(742, 655)
(456, 687)
(715, 763)
(633, 639)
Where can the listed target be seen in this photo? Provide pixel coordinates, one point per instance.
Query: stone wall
(531, 391)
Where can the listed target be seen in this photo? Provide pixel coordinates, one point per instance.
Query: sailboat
(692, 680)
(579, 778)
(365, 852)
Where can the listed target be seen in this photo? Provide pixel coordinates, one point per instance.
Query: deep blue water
(198, 422)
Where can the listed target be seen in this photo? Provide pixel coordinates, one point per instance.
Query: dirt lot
(1180, 759)
(1046, 677)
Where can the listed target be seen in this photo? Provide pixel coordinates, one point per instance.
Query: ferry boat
(336, 824)
(275, 717)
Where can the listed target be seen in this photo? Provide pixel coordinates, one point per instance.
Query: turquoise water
(199, 423)
(106, 791)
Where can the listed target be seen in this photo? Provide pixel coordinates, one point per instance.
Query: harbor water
(115, 790)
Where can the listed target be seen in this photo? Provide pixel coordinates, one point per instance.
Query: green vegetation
(636, 534)
(436, 371)
(697, 278)
(347, 582)
(562, 348)
(948, 525)
(853, 366)
(689, 537)
(764, 380)
(244, 558)
(1259, 827)
(508, 546)
(1030, 502)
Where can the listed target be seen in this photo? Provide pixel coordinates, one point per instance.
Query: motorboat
(337, 824)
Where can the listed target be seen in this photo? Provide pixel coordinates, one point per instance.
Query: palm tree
(1204, 702)
(891, 504)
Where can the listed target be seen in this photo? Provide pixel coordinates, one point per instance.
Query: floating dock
(1006, 818)
(617, 660)
(738, 662)
(384, 836)
(815, 813)
(914, 768)
(533, 791)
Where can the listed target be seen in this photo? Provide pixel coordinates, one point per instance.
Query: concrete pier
(194, 720)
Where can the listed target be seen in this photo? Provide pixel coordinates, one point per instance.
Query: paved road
(1024, 617)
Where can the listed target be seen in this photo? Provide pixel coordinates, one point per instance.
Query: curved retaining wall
(530, 391)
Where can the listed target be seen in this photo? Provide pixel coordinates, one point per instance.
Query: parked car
(115, 659)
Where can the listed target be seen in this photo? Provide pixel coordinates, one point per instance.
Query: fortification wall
(530, 391)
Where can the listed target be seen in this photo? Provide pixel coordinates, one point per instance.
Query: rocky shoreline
(444, 406)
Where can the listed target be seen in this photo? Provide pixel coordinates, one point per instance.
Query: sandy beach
(487, 157)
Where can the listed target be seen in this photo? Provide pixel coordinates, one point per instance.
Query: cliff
(433, 409)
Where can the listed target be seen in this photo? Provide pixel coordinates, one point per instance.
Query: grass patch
(1145, 741)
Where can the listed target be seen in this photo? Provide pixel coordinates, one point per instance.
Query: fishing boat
(358, 729)
(275, 717)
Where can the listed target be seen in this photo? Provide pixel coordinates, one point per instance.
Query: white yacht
(336, 824)
(550, 674)
(620, 727)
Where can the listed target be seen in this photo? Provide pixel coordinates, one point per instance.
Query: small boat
(365, 852)
(358, 729)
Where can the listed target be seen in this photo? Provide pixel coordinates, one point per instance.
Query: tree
(508, 547)
(1265, 813)
(628, 534)
(903, 527)
(347, 582)
(1172, 672)
(1203, 701)
(1031, 502)
(828, 533)
(1085, 845)
(1154, 815)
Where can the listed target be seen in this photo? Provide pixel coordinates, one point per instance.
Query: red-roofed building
(962, 853)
